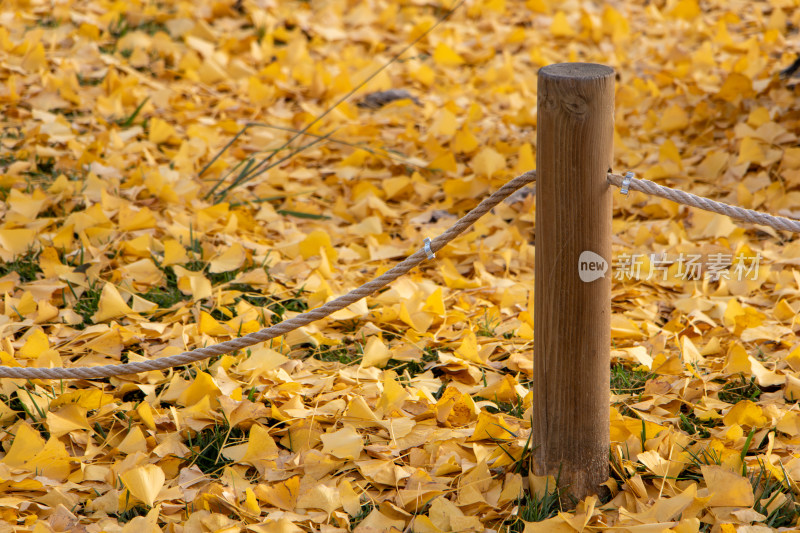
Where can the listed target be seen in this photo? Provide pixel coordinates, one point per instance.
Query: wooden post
(572, 301)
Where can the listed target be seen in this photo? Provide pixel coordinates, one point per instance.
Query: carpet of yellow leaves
(410, 410)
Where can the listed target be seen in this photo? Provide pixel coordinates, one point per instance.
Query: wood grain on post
(572, 301)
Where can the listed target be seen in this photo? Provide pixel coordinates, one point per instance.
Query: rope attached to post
(282, 328)
(427, 252)
(685, 198)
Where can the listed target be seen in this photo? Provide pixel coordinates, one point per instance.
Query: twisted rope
(287, 325)
(738, 213)
(645, 186)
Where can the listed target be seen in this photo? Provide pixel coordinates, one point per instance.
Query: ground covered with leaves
(128, 234)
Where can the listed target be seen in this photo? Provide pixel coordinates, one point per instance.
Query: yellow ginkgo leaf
(210, 326)
(750, 151)
(447, 57)
(736, 87)
(468, 349)
(560, 27)
(674, 118)
(144, 482)
(343, 444)
(174, 253)
(435, 303)
(491, 427)
(738, 361)
(231, 259)
(375, 353)
(160, 130)
(145, 413)
(686, 9)
(15, 242)
(282, 495)
(202, 386)
(465, 141)
(315, 240)
(35, 60)
(394, 394)
(350, 500)
(488, 162)
(358, 409)
(27, 443)
(418, 320)
(260, 445)
(133, 442)
(71, 417)
(133, 220)
(727, 488)
(194, 283)
(320, 496)
(86, 398)
(444, 124)
(52, 460)
(27, 205)
(526, 159)
(111, 305)
(745, 413)
(35, 344)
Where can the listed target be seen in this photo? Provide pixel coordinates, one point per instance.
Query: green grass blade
(378, 152)
(258, 170)
(248, 174)
(299, 214)
(744, 450)
(129, 121)
(219, 154)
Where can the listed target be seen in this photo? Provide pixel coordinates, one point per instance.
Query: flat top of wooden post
(576, 70)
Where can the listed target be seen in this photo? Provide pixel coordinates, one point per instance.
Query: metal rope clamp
(428, 250)
(626, 182)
